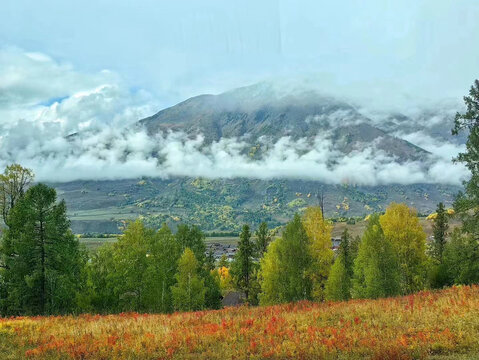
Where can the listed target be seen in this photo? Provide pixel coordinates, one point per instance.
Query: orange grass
(411, 327)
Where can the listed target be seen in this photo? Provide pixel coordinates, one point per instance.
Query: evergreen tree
(376, 268)
(402, 228)
(243, 265)
(440, 228)
(189, 291)
(285, 268)
(213, 294)
(43, 260)
(461, 254)
(467, 205)
(461, 259)
(338, 285)
(255, 288)
(263, 238)
(210, 261)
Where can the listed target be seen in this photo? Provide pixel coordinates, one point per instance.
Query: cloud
(36, 89)
(69, 125)
(121, 154)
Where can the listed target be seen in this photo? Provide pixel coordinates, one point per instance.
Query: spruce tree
(467, 204)
(243, 265)
(43, 260)
(440, 228)
(263, 238)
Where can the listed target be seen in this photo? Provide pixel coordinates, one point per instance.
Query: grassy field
(95, 243)
(435, 325)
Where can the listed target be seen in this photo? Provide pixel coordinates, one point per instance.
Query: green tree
(243, 265)
(43, 260)
(338, 285)
(402, 228)
(263, 238)
(213, 294)
(440, 228)
(101, 287)
(192, 237)
(467, 205)
(319, 233)
(189, 291)
(376, 268)
(285, 268)
(131, 262)
(163, 254)
(271, 281)
(13, 184)
(461, 259)
(223, 262)
(210, 260)
(137, 272)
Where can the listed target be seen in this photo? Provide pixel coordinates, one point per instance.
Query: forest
(45, 269)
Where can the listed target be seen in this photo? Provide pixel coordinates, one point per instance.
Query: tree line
(45, 270)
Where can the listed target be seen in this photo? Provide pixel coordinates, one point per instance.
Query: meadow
(440, 324)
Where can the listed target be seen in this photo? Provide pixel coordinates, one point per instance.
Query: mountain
(260, 116)
(261, 111)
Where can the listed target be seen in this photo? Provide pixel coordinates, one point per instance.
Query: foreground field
(438, 325)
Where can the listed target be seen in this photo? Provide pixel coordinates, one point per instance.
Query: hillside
(263, 111)
(428, 325)
(259, 153)
(224, 204)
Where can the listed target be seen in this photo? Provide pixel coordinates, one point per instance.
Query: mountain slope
(317, 135)
(256, 112)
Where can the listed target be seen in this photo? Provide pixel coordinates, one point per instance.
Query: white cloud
(115, 154)
(43, 101)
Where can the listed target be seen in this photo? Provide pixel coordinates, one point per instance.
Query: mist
(67, 125)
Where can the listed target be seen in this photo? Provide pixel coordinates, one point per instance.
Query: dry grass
(436, 325)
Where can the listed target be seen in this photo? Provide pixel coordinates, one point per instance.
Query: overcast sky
(176, 49)
(100, 65)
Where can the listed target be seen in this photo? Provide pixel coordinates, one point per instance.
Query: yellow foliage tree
(402, 228)
(226, 282)
(271, 276)
(319, 233)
